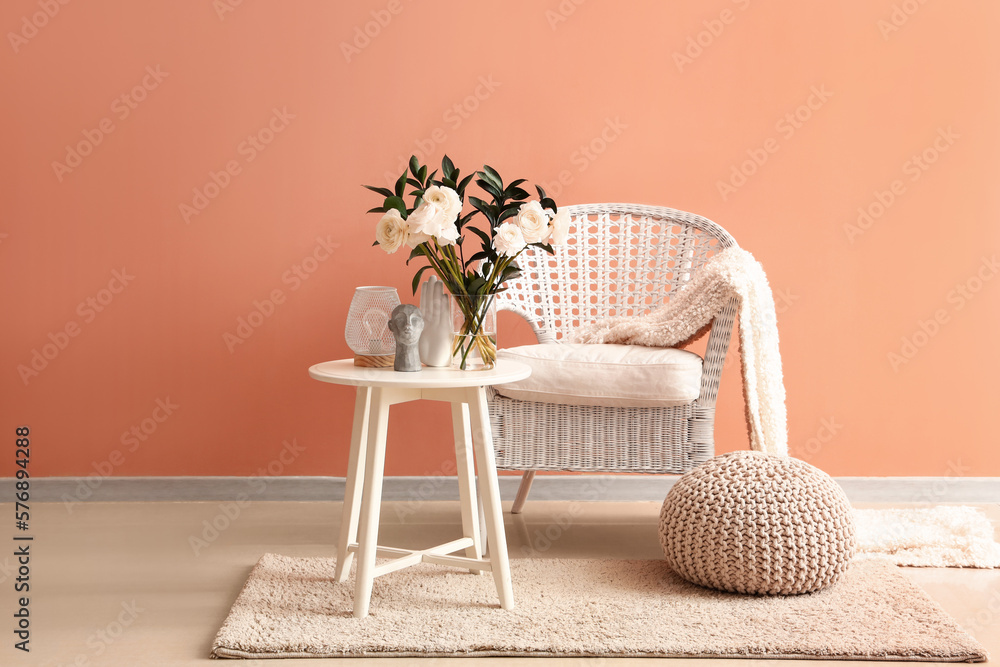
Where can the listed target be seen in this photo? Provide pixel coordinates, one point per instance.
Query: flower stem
(475, 309)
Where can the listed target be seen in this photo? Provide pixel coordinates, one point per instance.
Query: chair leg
(522, 491)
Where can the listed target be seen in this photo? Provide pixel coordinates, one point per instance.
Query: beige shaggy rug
(943, 536)
(291, 607)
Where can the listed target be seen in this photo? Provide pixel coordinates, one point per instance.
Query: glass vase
(475, 326)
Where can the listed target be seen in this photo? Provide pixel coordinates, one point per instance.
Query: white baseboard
(546, 487)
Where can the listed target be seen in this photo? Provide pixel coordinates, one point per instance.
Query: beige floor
(121, 584)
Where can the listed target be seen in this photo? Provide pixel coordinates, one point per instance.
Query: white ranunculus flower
(445, 199)
(413, 240)
(428, 220)
(533, 222)
(448, 235)
(560, 228)
(391, 231)
(422, 224)
(508, 240)
(425, 219)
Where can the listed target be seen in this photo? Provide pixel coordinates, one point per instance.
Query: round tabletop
(343, 371)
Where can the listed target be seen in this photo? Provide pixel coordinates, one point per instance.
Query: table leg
(465, 465)
(352, 490)
(371, 500)
(482, 522)
(490, 488)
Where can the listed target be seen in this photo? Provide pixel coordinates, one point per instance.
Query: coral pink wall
(778, 120)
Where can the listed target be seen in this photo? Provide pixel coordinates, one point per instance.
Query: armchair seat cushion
(605, 375)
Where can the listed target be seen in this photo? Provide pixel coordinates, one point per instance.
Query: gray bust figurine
(406, 324)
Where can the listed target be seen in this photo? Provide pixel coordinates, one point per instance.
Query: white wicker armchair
(621, 259)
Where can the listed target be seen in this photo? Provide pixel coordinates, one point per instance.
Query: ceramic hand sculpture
(406, 324)
(436, 340)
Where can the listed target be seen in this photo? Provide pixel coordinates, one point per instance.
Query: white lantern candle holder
(367, 329)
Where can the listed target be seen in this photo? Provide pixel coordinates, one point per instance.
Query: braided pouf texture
(749, 522)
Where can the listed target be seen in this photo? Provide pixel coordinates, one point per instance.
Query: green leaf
(374, 243)
(447, 166)
(422, 174)
(377, 209)
(546, 247)
(460, 223)
(476, 285)
(487, 240)
(401, 185)
(416, 252)
(516, 193)
(516, 183)
(464, 183)
(396, 203)
(448, 182)
(548, 203)
(494, 192)
(414, 182)
(385, 192)
(507, 213)
(416, 276)
(494, 174)
(488, 210)
(482, 254)
(414, 165)
(541, 192)
(431, 177)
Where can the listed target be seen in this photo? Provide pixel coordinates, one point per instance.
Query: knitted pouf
(749, 522)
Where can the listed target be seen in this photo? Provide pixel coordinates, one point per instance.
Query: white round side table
(379, 388)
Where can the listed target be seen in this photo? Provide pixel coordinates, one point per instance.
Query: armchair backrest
(621, 259)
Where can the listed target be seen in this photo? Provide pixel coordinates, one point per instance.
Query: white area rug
(943, 536)
(292, 607)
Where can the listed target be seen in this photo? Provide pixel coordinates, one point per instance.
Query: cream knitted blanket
(731, 273)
